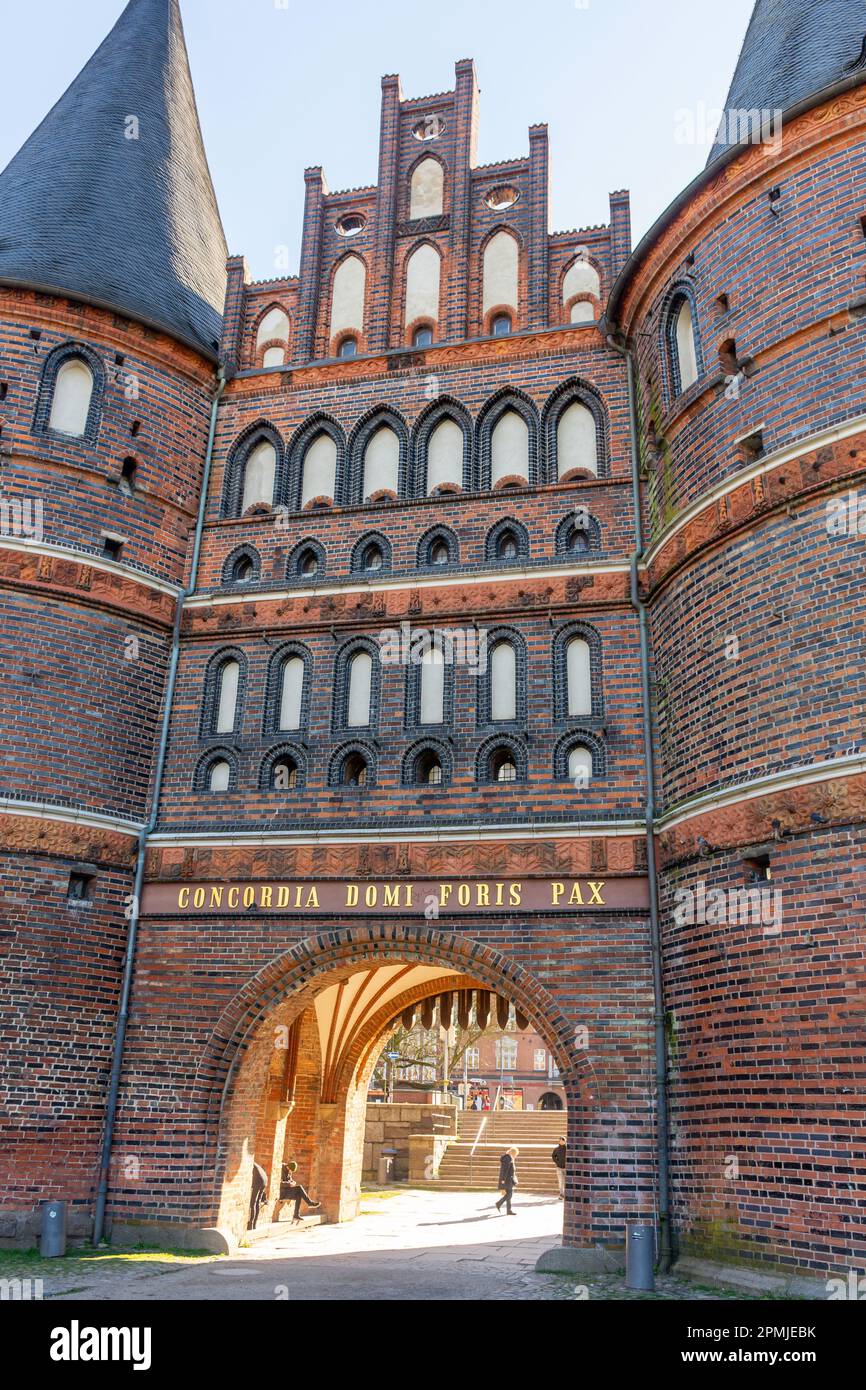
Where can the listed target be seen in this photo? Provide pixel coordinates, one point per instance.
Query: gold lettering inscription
(595, 890)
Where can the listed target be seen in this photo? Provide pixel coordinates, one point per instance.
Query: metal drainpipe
(132, 935)
(662, 1131)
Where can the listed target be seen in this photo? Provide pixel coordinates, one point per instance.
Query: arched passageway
(305, 1035)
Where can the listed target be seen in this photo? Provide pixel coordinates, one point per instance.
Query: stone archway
(341, 992)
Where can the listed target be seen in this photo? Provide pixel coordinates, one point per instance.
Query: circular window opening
(244, 570)
(505, 196)
(351, 224)
(428, 128)
(308, 563)
(354, 771)
(503, 766)
(349, 347)
(501, 325)
(439, 554)
(422, 338)
(285, 775)
(429, 770)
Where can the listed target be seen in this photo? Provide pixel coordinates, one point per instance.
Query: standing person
(558, 1157)
(292, 1191)
(257, 1198)
(507, 1180)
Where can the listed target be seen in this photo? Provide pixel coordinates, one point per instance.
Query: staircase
(471, 1161)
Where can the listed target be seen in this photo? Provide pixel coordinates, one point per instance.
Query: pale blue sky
(283, 84)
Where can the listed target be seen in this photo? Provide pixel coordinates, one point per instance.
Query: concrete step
(267, 1229)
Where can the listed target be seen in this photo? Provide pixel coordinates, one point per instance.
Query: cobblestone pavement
(405, 1245)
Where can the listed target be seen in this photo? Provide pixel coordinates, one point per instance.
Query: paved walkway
(405, 1245)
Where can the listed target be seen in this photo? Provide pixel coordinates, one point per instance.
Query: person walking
(507, 1180)
(558, 1157)
(292, 1191)
(259, 1192)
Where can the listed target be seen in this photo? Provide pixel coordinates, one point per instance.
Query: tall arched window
(319, 469)
(432, 701)
(259, 476)
(578, 670)
(426, 189)
(347, 296)
(381, 463)
(500, 273)
(273, 328)
(503, 682)
(228, 680)
(685, 347)
(445, 456)
(70, 404)
(576, 441)
(422, 284)
(509, 448)
(359, 702)
(580, 278)
(292, 694)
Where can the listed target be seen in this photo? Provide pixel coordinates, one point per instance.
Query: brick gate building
(342, 610)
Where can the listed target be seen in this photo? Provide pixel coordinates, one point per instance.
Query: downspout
(159, 772)
(662, 1129)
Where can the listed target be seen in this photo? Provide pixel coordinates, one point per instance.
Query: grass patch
(29, 1264)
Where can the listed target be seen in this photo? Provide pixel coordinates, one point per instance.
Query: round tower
(743, 310)
(112, 278)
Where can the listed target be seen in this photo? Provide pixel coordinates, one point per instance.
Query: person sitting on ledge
(292, 1191)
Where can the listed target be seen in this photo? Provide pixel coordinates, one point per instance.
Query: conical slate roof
(793, 49)
(132, 224)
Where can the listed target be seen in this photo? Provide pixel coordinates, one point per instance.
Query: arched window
(228, 679)
(501, 760)
(347, 297)
(292, 694)
(371, 555)
(577, 673)
(423, 270)
(580, 766)
(259, 476)
(352, 766)
(426, 190)
(219, 775)
(319, 470)
(273, 329)
(284, 774)
(503, 682)
(381, 463)
(582, 311)
(359, 701)
(682, 345)
(445, 456)
(500, 326)
(422, 337)
(576, 441)
(70, 403)
(427, 765)
(428, 770)
(438, 547)
(432, 700)
(348, 347)
(500, 273)
(506, 543)
(354, 772)
(578, 534)
(580, 278)
(509, 448)
(241, 567)
(579, 677)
